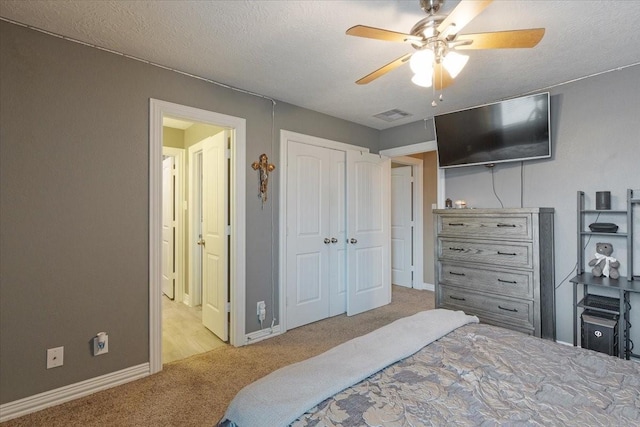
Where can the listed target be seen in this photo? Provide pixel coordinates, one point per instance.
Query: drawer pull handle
(456, 274)
(457, 299)
(456, 224)
(506, 225)
(456, 249)
(507, 253)
(514, 310)
(507, 281)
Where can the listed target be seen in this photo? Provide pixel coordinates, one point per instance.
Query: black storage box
(600, 332)
(603, 227)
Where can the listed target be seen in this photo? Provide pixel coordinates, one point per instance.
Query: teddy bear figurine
(604, 264)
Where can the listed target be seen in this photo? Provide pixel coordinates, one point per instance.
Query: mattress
(486, 375)
(473, 374)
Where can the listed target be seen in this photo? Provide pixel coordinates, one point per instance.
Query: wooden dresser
(497, 264)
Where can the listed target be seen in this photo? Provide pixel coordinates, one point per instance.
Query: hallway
(183, 334)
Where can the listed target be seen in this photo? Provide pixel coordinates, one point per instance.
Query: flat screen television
(506, 131)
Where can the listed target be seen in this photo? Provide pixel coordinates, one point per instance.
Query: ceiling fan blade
(500, 39)
(384, 70)
(441, 77)
(461, 16)
(380, 34)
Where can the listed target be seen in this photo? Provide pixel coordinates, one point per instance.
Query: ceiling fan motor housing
(426, 29)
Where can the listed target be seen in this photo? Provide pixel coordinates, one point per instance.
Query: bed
(442, 367)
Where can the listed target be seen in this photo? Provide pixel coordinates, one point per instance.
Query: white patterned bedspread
(485, 375)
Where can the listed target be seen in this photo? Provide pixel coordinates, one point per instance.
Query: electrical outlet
(55, 357)
(261, 310)
(100, 344)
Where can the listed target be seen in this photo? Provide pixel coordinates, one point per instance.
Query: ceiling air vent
(392, 115)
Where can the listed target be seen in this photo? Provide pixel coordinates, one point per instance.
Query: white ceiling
(297, 51)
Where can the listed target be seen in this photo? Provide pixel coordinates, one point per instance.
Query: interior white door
(308, 233)
(214, 235)
(168, 233)
(368, 232)
(401, 226)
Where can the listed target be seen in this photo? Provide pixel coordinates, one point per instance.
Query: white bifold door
(337, 247)
(368, 225)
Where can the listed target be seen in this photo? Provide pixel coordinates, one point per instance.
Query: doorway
(234, 230)
(194, 311)
(431, 194)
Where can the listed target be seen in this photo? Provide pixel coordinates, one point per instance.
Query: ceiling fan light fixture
(454, 62)
(435, 36)
(422, 61)
(423, 79)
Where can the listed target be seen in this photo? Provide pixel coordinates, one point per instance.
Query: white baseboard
(424, 286)
(262, 334)
(187, 300)
(64, 394)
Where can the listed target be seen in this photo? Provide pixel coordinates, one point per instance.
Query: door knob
(353, 241)
(334, 240)
(201, 242)
(327, 241)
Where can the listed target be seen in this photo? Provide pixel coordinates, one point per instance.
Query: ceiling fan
(436, 41)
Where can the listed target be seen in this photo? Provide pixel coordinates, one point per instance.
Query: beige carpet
(197, 390)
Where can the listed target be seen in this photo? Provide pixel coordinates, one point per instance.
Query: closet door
(338, 227)
(337, 233)
(312, 171)
(368, 232)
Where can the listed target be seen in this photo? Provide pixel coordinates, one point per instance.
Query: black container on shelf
(603, 227)
(600, 302)
(603, 200)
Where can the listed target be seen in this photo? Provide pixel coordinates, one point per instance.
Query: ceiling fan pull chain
(441, 71)
(433, 92)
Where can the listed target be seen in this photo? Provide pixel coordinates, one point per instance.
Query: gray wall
(411, 133)
(74, 193)
(74, 134)
(596, 146)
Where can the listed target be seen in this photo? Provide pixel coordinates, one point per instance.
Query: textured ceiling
(297, 51)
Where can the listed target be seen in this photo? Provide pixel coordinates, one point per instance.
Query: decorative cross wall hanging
(263, 167)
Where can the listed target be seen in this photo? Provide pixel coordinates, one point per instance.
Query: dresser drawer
(518, 284)
(494, 226)
(502, 310)
(514, 254)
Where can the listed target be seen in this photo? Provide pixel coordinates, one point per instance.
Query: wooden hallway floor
(183, 333)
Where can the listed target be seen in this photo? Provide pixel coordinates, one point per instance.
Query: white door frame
(237, 201)
(285, 137)
(179, 163)
(418, 148)
(417, 236)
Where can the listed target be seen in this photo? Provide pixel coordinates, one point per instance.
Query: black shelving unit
(624, 285)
